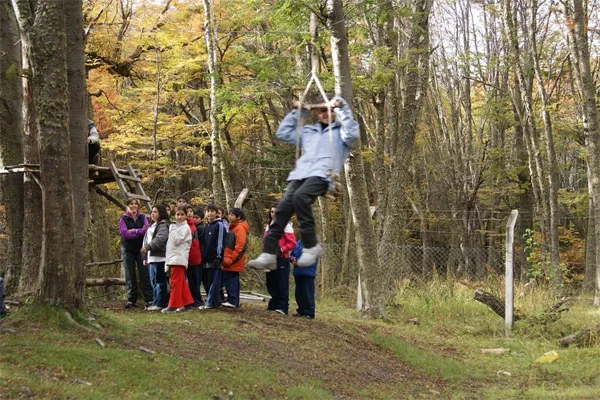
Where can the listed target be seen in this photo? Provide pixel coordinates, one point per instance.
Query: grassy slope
(252, 354)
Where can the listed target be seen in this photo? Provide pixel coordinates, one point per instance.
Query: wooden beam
(109, 197)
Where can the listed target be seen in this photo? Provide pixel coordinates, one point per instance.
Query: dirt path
(342, 358)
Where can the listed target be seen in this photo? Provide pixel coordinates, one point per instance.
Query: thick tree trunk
(78, 137)
(57, 279)
(369, 268)
(32, 195)
(11, 145)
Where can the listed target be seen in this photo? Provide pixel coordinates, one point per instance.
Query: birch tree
(369, 267)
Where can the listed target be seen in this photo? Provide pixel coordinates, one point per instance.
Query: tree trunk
(215, 135)
(369, 268)
(58, 277)
(590, 119)
(415, 80)
(550, 152)
(32, 196)
(78, 137)
(11, 145)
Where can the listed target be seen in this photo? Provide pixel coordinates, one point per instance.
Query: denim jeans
(278, 285)
(211, 279)
(130, 260)
(231, 281)
(158, 278)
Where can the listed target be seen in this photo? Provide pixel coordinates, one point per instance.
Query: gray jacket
(317, 158)
(157, 244)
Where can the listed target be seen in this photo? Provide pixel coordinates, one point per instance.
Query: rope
(314, 78)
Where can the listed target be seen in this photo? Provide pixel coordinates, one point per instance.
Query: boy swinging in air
(324, 150)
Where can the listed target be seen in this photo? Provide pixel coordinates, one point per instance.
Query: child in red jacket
(194, 270)
(234, 258)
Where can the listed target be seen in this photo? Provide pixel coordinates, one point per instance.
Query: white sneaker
(264, 261)
(228, 305)
(153, 308)
(309, 256)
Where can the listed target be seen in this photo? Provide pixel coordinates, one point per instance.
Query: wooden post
(508, 273)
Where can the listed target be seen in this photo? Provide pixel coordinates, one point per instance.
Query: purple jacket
(132, 240)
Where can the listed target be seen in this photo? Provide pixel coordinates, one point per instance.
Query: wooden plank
(138, 196)
(120, 183)
(129, 178)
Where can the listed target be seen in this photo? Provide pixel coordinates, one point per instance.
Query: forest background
(467, 109)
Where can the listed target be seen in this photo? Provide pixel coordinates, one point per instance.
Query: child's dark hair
(269, 217)
(211, 207)
(162, 211)
(184, 197)
(183, 208)
(131, 200)
(187, 207)
(237, 212)
(199, 212)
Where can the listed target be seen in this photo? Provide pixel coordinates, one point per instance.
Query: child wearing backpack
(234, 258)
(178, 249)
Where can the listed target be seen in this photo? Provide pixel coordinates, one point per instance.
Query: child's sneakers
(264, 261)
(309, 256)
(154, 308)
(169, 310)
(228, 305)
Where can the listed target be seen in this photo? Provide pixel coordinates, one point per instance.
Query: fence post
(508, 272)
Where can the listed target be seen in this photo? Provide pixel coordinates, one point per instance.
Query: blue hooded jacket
(311, 270)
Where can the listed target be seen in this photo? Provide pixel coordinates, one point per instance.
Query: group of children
(187, 251)
(191, 252)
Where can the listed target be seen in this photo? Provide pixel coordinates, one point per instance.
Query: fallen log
(493, 302)
(584, 338)
(104, 281)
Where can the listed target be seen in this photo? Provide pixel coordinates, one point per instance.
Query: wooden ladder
(130, 185)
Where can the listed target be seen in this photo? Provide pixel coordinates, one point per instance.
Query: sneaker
(264, 261)
(228, 305)
(153, 308)
(182, 309)
(130, 304)
(205, 307)
(306, 316)
(169, 310)
(280, 312)
(309, 256)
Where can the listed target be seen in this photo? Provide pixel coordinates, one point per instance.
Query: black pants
(194, 278)
(93, 150)
(298, 198)
(305, 295)
(278, 285)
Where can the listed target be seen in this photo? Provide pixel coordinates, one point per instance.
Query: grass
(252, 354)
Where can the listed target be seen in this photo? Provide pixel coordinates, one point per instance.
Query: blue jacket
(311, 270)
(316, 159)
(213, 242)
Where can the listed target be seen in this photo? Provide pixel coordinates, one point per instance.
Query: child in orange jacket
(234, 258)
